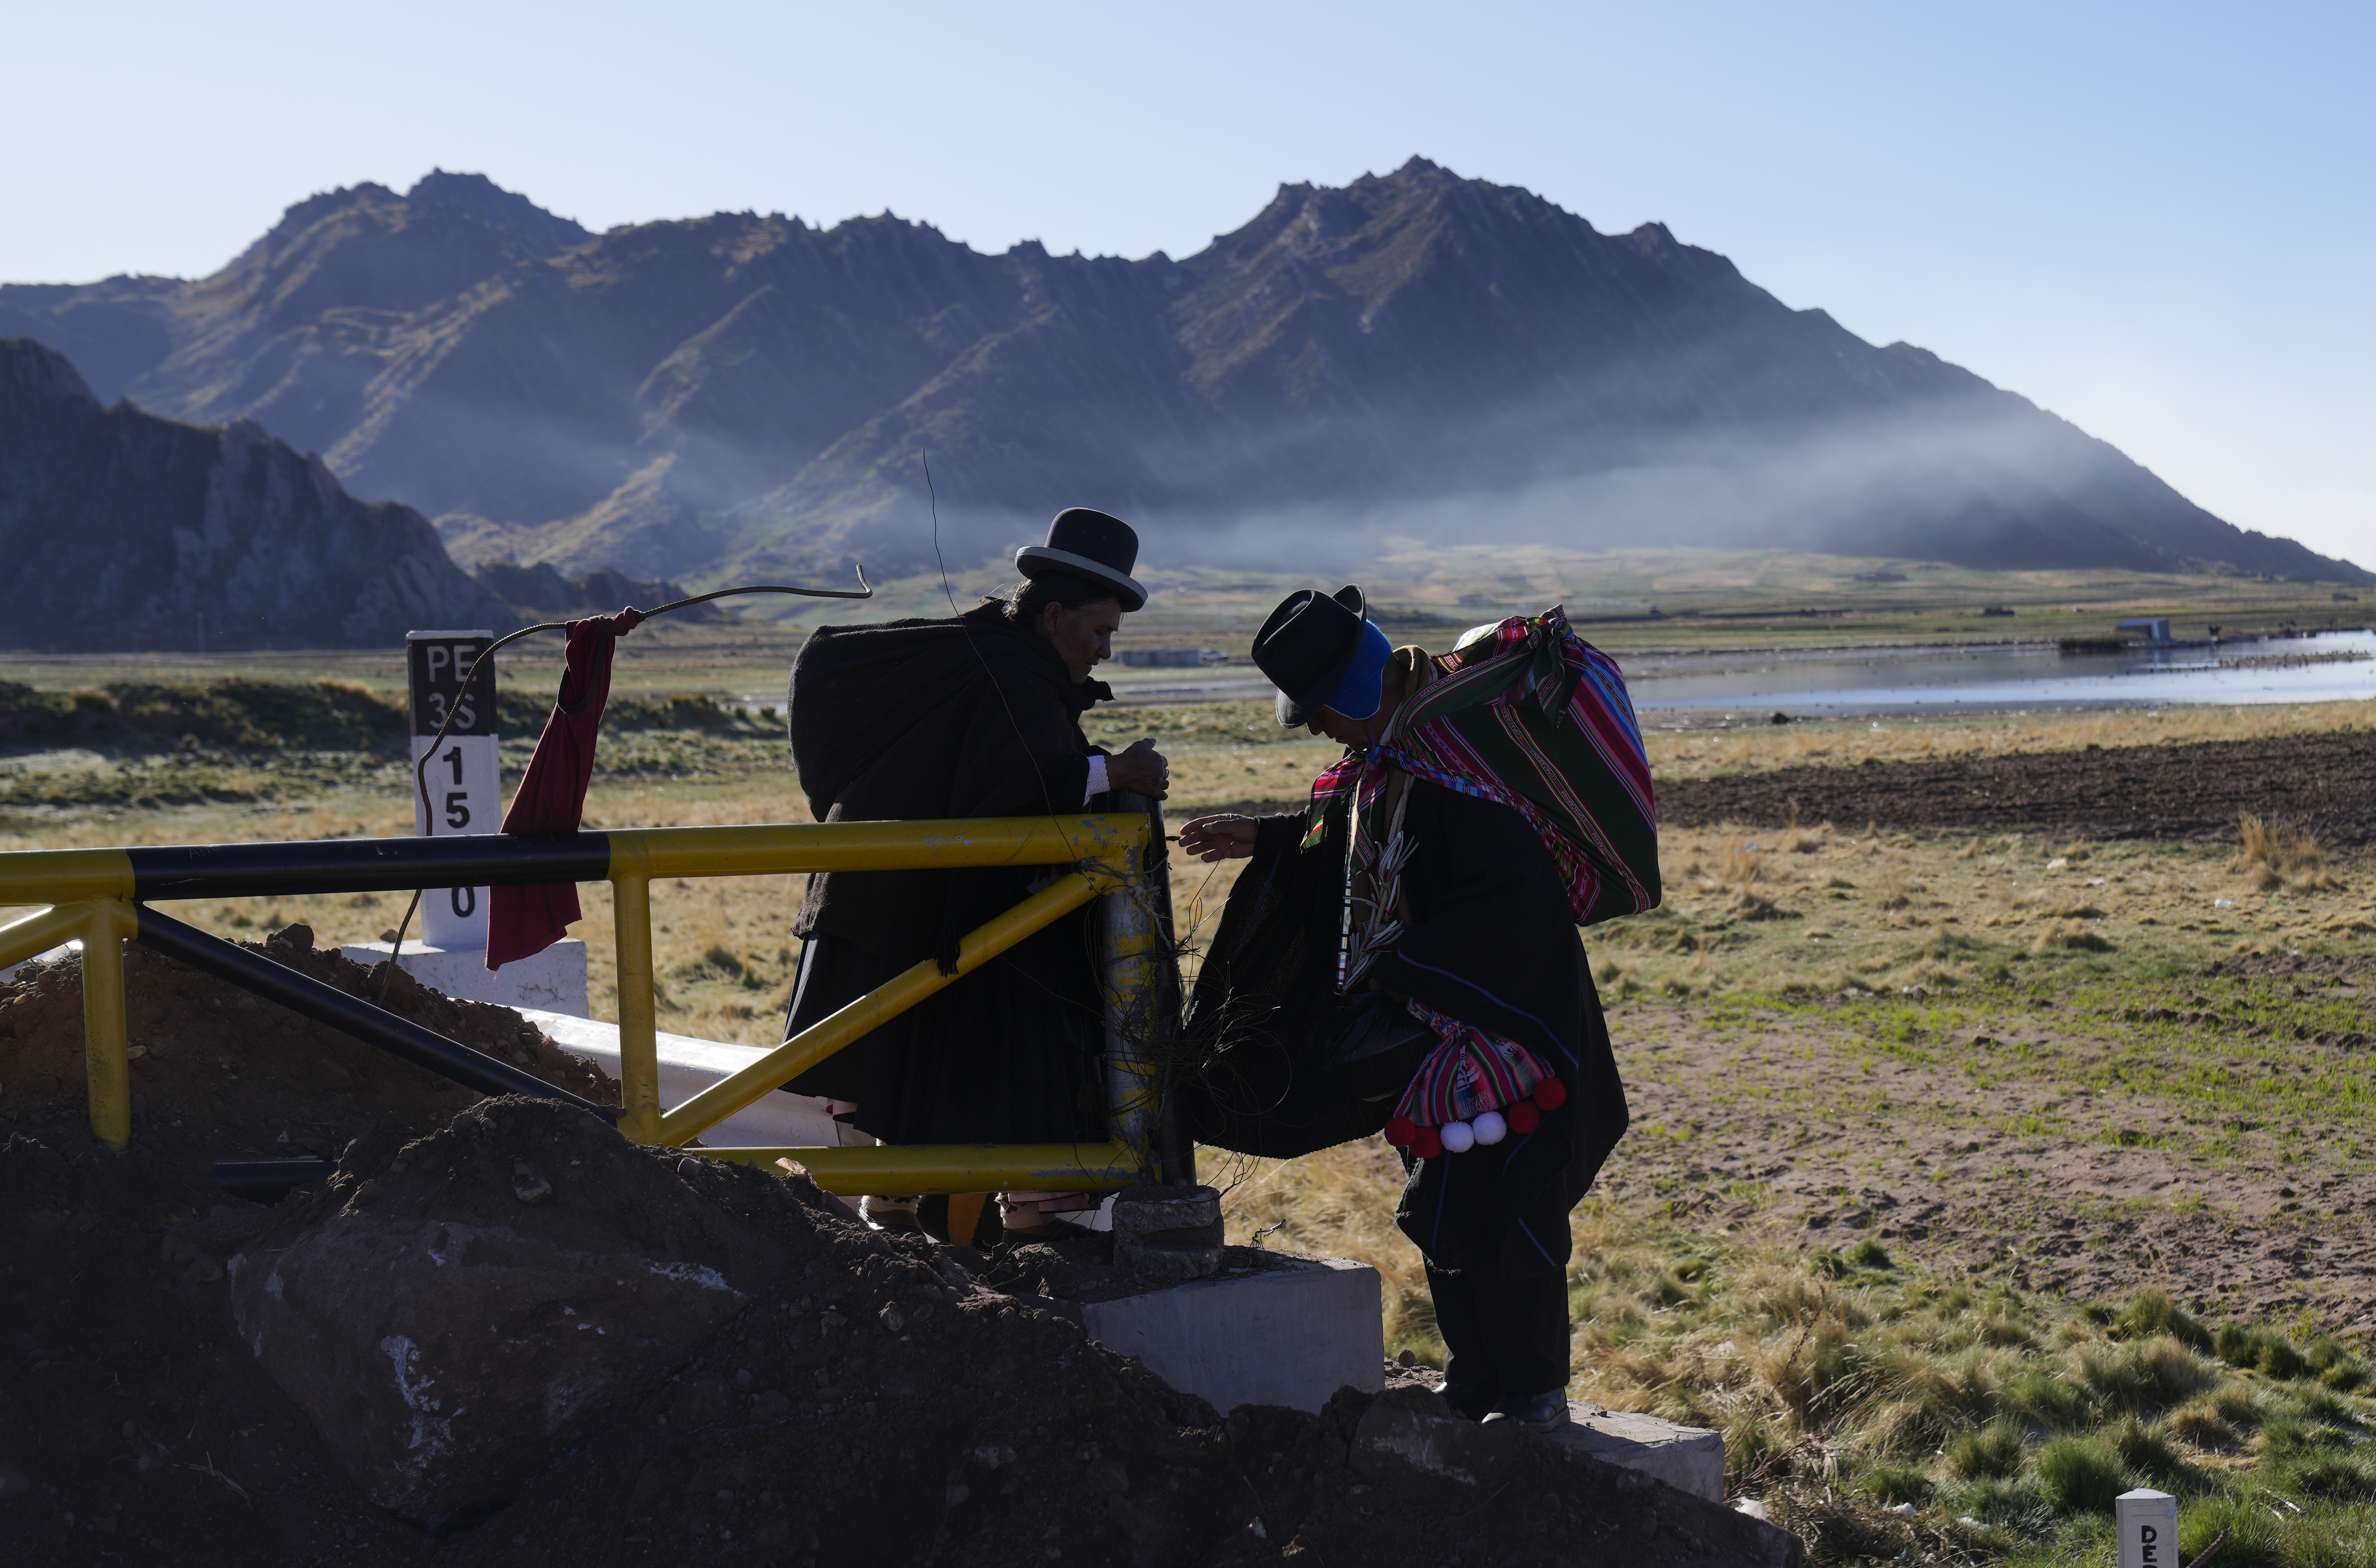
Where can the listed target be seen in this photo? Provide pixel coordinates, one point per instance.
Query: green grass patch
(1889, 1415)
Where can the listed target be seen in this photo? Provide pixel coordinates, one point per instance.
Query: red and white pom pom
(1550, 1094)
(1399, 1130)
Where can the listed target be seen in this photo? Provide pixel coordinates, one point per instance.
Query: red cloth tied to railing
(524, 921)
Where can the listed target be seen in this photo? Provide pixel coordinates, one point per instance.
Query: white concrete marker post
(2149, 1530)
(465, 784)
(449, 950)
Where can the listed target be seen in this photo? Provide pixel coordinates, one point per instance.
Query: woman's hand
(1141, 771)
(1218, 838)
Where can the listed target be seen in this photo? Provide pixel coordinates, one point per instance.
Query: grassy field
(1813, 907)
(1890, 1413)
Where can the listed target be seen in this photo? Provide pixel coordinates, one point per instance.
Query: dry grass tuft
(2075, 935)
(2277, 855)
(1899, 891)
(1740, 867)
(1798, 840)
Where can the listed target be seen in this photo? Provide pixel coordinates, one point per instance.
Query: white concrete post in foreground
(2149, 1530)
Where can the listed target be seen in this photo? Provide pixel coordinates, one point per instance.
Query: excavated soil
(870, 1400)
(220, 1074)
(2326, 783)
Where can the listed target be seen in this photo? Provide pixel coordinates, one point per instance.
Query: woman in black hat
(976, 715)
(1447, 900)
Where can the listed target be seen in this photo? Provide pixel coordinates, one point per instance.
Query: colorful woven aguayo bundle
(1475, 1088)
(1531, 715)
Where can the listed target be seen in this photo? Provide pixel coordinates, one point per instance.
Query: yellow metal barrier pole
(1134, 992)
(639, 1048)
(895, 997)
(64, 876)
(104, 1063)
(876, 846)
(955, 1168)
(41, 930)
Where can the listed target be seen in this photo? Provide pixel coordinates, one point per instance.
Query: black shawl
(1490, 942)
(916, 720)
(919, 720)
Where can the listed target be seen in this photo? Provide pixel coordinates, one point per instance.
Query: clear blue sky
(2154, 219)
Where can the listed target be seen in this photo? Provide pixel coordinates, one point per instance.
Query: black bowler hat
(1089, 544)
(1307, 648)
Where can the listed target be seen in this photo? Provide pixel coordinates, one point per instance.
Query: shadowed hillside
(123, 530)
(1415, 355)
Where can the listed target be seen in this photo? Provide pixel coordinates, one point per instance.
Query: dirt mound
(503, 1335)
(865, 1400)
(494, 1291)
(2326, 783)
(219, 1074)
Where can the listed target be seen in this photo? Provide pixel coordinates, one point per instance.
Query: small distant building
(1171, 658)
(2155, 628)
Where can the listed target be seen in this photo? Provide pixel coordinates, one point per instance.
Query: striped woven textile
(1468, 1072)
(1533, 716)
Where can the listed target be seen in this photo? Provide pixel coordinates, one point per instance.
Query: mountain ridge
(1411, 352)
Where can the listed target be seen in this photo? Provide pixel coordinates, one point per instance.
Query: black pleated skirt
(1012, 1053)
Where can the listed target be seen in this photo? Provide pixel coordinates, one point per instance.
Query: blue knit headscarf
(1358, 695)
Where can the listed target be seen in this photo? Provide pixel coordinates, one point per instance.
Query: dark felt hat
(1307, 648)
(1089, 544)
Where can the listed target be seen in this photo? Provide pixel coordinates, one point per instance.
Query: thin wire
(421, 768)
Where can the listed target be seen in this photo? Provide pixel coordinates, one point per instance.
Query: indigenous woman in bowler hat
(1418, 879)
(975, 715)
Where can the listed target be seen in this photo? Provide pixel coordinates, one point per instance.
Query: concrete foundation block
(554, 980)
(690, 1066)
(1687, 1458)
(1281, 1336)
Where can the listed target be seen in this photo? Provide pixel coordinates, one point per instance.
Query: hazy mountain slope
(1415, 355)
(123, 530)
(1443, 357)
(664, 373)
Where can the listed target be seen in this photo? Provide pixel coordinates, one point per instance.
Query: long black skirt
(1012, 1053)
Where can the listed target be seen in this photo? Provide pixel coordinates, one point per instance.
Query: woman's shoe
(890, 1213)
(1468, 1402)
(1544, 1412)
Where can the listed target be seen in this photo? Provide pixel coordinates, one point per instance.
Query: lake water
(1951, 680)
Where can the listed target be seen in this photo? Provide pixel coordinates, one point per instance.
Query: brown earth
(2036, 1145)
(220, 1074)
(2326, 783)
(869, 1400)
